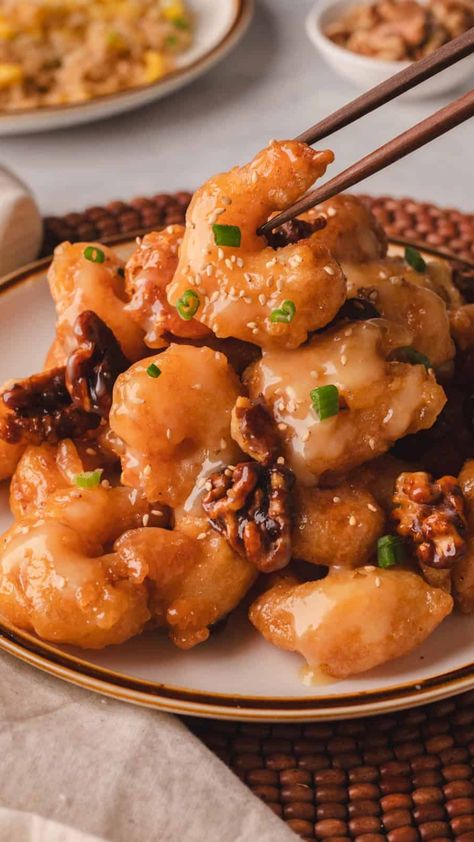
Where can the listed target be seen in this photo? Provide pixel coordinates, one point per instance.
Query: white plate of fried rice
(65, 62)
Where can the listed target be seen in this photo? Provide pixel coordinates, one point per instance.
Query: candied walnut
(92, 369)
(42, 411)
(294, 230)
(254, 430)
(249, 504)
(68, 401)
(431, 514)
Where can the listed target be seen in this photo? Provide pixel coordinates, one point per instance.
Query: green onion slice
(407, 354)
(171, 40)
(181, 23)
(94, 254)
(227, 235)
(188, 304)
(390, 551)
(89, 479)
(325, 400)
(285, 314)
(153, 370)
(414, 259)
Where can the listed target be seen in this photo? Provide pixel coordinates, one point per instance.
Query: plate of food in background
(241, 485)
(62, 64)
(366, 42)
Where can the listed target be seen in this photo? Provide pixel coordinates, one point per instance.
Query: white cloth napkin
(20, 223)
(119, 772)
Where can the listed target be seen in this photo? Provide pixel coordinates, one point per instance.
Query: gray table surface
(274, 84)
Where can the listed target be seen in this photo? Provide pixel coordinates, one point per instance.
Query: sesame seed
(220, 253)
(295, 260)
(157, 512)
(145, 520)
(372, 444)
(196, 386)
(377, 582)
(228, 263)
(254, 178)
(331, 211)
(209, 270)
(247, 299)
(201, 536)
(329, 270)
(251, 325)
(280, 460)
(305, 436)
(348, 332)
(168, 434)
(255, 331)
(233, 258)
(105, 483)
(282, 426)
(90, 451)
(262, 299)
(336, 499)
(343, 359)
(147, 470)
(227, 472)
(271, 263)
(371, 507)
(208, 485)
(279, 285)
(223, 444)
(352, 521)
(240, 262)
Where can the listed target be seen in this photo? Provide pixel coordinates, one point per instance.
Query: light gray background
(272, 85)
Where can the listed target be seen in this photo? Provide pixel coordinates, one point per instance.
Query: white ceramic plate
(219, 26)
(236, 674)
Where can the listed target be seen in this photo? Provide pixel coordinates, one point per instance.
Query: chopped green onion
(94, 254)
(153, 370)
(171, 40)
(120, 271)
(414, 259)
(390, 551)
(325, 400)
(89, 479)
(188, 304)
(227, 235)
(407, 354)
(181, 23)
(285, 314)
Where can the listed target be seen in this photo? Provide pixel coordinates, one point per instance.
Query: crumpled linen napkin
(119, 772)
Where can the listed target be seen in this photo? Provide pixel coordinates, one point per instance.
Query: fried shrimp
(147, 274)
(352, 233)
(231, 280)
(352, 620)
(390, 287)
(171, 417)
(379, 400)
(86, 276)
(194, 577)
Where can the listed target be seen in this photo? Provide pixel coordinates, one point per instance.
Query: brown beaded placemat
(403, 778)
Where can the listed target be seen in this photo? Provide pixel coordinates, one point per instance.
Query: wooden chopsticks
(434, 126)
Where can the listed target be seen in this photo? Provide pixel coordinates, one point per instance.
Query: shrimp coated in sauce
(352, 620)
(174, 428)
(147, 274)
(78, 284)
(237, 290)
(380, 400)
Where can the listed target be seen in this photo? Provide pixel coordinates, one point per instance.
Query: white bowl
(365, 72)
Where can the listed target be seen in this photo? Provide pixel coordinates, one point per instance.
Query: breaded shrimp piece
(234, 290)
(147, 274)
(194, 577)
(379, 400)
(397, 297)
(174, 428)
(78, 284)
(336, 527)
(352, 233)
(351, 621)
(54, 583)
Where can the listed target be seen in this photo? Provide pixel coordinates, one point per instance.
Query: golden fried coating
(462, 326)
(352, 620)
(352, 233)
(336, 527)
(236, 289)
(193, 575)
(379, 400)
(388, 286)
(78, 284)
(174, 428)
(379, 477)
(147, 274)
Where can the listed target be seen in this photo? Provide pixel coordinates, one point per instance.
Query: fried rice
(57, 52)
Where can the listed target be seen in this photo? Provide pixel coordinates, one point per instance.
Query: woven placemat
(403, 778)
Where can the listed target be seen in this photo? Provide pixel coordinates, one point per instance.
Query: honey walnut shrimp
(236, 289)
